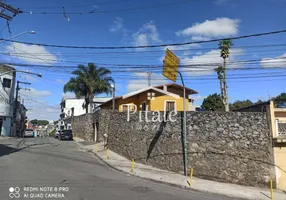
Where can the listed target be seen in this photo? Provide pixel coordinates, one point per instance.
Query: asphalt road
(39, 164)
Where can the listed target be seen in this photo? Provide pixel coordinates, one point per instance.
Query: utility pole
(149, 78)
(16, 99)
(113, 94)
(10, 9)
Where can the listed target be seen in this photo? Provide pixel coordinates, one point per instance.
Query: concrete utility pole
(6, 7)
(149, 78)
(113, 95)
(16, 99)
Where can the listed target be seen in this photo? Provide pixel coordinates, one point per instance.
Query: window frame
(173, 101)
(127, 104)
(145, 106)
(7, 79)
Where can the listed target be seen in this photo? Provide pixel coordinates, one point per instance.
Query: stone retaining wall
(230, 147)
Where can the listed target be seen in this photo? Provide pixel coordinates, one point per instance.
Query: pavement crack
(64, 181)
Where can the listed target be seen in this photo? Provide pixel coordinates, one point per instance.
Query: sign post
(171, 71)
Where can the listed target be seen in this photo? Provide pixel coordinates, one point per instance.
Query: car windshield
(66, 132)
(29, 130)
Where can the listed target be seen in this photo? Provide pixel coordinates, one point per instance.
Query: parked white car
(29, 133)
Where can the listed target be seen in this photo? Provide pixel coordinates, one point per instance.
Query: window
(6, 82)
(125, 107)
(170, 105)
(143, 106)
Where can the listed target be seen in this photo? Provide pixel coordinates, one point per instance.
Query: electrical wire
(76, 6)
(163, 50)
(109, 11)
(147, 46)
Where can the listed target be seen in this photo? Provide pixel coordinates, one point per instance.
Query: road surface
(40, 167)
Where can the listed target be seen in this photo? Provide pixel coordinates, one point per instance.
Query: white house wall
(76, 104)
(7, 100)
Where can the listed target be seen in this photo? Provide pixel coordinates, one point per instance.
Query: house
(278, 127)
(160, 98)
(75, 107)
(7, 89)
(277, 121)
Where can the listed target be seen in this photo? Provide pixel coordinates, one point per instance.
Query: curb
(158, 181)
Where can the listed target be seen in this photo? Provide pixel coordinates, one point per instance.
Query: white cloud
(60, 81)
(211, 60)
(220, 27)
(42, 110)
(219, 2)
(68, 95)
(141, 81)
(198, 97)
(146, 35)
(141, 40)
(33, 93)
(200, 38)
(117, 25)
(37, 107)
(28, 77)
(279, 61)
(31, 53)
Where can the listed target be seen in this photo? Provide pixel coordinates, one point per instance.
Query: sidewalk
(122, 164)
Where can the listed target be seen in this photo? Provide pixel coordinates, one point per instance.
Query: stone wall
(230, 147)
(82, 127)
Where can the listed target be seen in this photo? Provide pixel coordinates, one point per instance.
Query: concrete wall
(280, 161)
(228, 147)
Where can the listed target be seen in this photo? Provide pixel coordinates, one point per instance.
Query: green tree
(240, 104)
(89, 81)
(280, 98)
(258, 101)
(213, 103)
(39, 122)
(224, 46)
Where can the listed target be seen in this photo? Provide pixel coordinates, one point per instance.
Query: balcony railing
(281, 128)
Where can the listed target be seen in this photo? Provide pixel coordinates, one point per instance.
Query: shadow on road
(6, 150)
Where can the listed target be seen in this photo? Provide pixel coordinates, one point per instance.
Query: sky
(137, 23)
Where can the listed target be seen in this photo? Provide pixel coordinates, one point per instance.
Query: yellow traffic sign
(171, 65)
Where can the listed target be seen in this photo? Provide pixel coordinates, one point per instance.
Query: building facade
(74, 107)
(155, 98)
(277, 121)
(278, 127)
(7, 90)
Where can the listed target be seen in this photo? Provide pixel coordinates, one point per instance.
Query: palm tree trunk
(91, 96)
(221, 88)
(86, 104)
(225, 96)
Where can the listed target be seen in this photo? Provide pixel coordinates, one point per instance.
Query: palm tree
(89, 81)
(224, 46)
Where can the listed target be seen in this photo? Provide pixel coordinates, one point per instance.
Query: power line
(109, 11)
(163, 50)
(77, 6)
(186, 65)
(147, 46)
